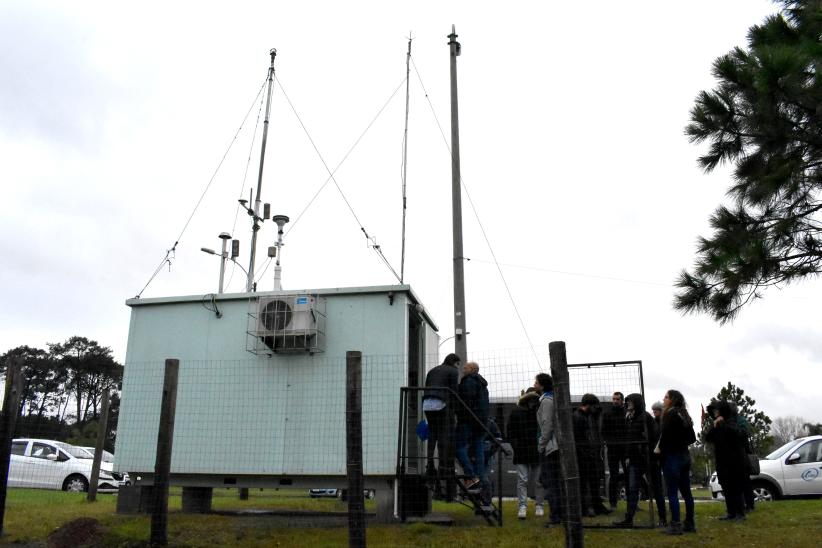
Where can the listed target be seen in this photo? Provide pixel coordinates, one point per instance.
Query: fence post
(353, 449)
(11, 407)
(574, 537)
(162, 463)
(102, 432)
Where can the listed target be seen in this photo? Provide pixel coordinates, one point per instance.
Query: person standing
(613, 432)
(747, 487)
(438, 404)
(729, 453)
(523, 434)
(548, 448)
(587, 449)
(639, 426)
(655, 467)
(471, 421)
(676, 435)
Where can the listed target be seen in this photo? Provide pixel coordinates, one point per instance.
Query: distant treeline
(63, 390)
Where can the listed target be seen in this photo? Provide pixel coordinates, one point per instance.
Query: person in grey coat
(548, 448)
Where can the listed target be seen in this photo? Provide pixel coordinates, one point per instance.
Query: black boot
(688, 526)
(675, 528)
(628, 522)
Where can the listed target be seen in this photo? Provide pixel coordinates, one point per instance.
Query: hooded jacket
(523, 431)
(640, 431)
(728, 441)
(473, 390)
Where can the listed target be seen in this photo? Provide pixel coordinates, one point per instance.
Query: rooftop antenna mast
(255, 213)
(460, 342)
(405, 154)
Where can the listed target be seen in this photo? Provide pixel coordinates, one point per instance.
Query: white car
(49, 464)
(107, 464)
(795, 469)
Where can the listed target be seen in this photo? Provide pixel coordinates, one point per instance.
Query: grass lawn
(31, 515)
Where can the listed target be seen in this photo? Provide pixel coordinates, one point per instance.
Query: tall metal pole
(256, 227)
(405, 154)
(461, 342)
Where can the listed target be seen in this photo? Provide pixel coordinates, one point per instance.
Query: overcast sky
(114, 117)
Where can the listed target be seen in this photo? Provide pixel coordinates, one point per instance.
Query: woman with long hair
(677, 434)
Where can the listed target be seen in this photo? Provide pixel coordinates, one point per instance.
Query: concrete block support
(384, 497)
(134, 499)
(197, 500)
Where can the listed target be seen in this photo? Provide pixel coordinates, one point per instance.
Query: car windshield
(76, 452)
(107, 457)
(782, 450)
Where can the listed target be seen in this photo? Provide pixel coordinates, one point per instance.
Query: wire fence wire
(279, 422)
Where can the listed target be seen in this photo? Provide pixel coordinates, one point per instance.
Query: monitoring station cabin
(261, 390)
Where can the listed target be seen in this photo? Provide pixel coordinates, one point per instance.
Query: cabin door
(416, 377)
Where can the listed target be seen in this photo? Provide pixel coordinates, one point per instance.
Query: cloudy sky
(114, 118)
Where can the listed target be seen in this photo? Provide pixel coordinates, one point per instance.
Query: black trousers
(733, 487)
(441, 439)
(616, 457)
(655, 477)
(588, 482)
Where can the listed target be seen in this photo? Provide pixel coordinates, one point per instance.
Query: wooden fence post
(353, 449)
(162, 463)
(574, 536)
(11, 407)
(102, 432)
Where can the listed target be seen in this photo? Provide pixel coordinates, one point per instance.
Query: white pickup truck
(795, 469)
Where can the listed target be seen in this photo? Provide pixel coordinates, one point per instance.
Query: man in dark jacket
(613, 433)
(471, 420)
(438, 403)
(639, 427)
(523, 433)
(587, 447)
(729, 453)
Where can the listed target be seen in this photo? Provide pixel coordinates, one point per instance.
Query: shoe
(553, 523)
(628, 522)
(521, 512)
(675, 528)
(539, 512)
(470, 484)
(739, 518)
(662, 523)
(727, 517)
(688, 527)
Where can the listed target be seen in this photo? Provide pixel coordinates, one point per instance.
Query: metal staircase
(415, 487)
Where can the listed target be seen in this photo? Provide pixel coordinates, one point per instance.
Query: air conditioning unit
(287, 323)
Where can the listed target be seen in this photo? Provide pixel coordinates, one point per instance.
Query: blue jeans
(471, 442)
(677, 471)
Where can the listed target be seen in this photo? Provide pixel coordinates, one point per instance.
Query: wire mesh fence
(279, 422)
